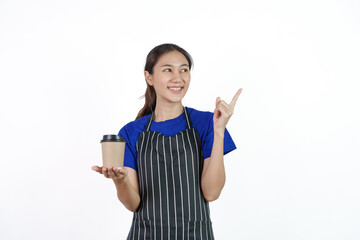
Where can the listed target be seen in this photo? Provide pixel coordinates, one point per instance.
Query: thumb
(218, 99)
(97, 169)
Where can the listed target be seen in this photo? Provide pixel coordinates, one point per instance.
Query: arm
(213, 174)
(126, 183)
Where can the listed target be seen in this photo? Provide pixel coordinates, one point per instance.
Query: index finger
(235, 98)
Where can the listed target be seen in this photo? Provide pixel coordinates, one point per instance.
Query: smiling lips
(175, 89)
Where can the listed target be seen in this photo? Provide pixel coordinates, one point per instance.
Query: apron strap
(147, 128)
(188, 121)
(187, 117)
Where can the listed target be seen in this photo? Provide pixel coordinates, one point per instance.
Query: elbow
(131, 205)
(212, 193)
(132, 208)
(211, 196)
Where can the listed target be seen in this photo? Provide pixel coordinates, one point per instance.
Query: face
(170, 78)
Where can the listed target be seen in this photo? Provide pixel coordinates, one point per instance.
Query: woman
(173, 164)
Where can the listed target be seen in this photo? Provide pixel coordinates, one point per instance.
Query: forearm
(213, 175)
(127, 194)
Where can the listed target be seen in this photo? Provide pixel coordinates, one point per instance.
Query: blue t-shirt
(201, 121)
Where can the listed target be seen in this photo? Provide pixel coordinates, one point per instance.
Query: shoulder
(198, 116)
(201, 120)
(199, 113)
(133, 128)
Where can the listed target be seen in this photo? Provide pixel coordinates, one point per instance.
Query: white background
(72, 71)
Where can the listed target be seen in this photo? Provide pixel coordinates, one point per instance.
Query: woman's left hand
(223, 112)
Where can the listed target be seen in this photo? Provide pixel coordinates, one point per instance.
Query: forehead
(172, 58)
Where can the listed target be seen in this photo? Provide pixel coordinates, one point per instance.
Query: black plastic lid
(112, 138)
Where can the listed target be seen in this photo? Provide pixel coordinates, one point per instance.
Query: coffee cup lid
(112, 138)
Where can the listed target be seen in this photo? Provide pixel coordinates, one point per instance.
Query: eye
(184, 70)
(167, 70)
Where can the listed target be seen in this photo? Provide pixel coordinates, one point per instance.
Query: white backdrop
(72, 71)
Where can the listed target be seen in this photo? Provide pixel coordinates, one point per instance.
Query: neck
(165, 112)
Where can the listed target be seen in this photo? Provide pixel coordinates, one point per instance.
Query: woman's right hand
(117, 174)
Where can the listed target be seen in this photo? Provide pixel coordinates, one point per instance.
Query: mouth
(175, 89)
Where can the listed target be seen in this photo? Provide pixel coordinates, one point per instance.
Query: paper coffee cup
(113, 147)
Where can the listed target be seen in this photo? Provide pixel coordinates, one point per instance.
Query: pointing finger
(235, 98)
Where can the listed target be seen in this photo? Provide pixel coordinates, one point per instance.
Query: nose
(176, 77)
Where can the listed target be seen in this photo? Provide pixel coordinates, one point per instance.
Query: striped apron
(172, 205)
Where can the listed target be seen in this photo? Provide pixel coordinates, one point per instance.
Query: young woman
(173, 164)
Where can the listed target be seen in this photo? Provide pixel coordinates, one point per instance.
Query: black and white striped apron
(172, 205)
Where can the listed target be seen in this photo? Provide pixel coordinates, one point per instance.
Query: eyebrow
(169, 65)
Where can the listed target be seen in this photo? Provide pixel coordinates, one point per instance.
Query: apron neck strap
(187, 117)
(149, 122)
(188, 121)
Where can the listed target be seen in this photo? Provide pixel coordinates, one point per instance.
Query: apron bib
(172, 205)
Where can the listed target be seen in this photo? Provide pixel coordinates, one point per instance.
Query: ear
(148, 78)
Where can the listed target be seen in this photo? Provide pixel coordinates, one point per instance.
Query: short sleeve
(130, 150)
(208, 140)
(203, 123)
